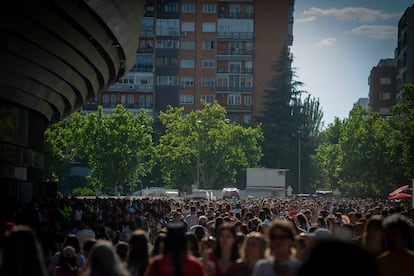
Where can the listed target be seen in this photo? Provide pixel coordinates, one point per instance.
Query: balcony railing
(235, 52)
(145, 50)
(235, 15)
(236, 35)
(238, 107)
(234, 70)
(221, 89)
(130, 87)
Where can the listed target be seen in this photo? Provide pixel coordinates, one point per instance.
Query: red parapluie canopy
(403, 192)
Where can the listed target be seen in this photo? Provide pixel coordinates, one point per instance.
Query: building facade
(404, 54)
(192, 51)
(382, 86)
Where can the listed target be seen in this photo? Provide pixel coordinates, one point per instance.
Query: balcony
(235, 35)
(238, 107)
(131, 87)
(235, 70)
(235, 15)
(146, 50)
(237, 52)
(231, 89)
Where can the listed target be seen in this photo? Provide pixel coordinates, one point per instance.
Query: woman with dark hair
(226, 252)
(22, 254)
(138, 253)
(158, 247)
(193, 244)
(281, 242)
(175, 260)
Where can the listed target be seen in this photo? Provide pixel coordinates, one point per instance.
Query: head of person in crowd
(208, 244)
(397, 232)
(122, 249)
(227, 242)
(338, 257)
(21, 253)
(254, 247)
(87, 245)
(373, 236)
(138, 256)
(302, 245)
(72, 240)
(158, 247)
(281, 238)
(103, 260)
(192, 244)
(68, 262)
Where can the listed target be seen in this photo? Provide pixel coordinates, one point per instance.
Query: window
(237, 26)
(123, 99)
(234, 10)
(187, 27)
(141, 102)
(208, 63)
(143, 63)
(188, 8)
(248, 100)
(249, 47)
(168, 27)
(384, 111)
(234, 67)
(166, 61)
(167, 80)
(188, 44)
(113, 99)
(234, 99)
(385, 96)
(209, 8)
(187, 81)
(147, 26)
(385, 81)
(187, 63)
(208, 44)
(208, 98)
(209, 27)
(148, 101)
(234, 118)
(167, 43)
(247, 118)
(186, 99)
(250, 9)
(105, 99)
(208, 82)
(131, 99)
(171, 7)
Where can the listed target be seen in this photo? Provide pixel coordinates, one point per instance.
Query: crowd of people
(158, 236)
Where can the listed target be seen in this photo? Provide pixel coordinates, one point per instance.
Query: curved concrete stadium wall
(56, 55)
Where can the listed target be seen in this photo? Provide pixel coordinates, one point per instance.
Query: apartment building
(382, 86)
(404, 54)
(205, 50)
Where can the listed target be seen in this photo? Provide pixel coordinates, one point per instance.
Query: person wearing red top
(175, 260)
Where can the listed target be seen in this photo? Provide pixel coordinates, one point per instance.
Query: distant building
(404, 53)
(382, 87)
(364, 102)
(211, 50)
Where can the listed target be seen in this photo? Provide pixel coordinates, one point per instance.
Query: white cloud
(307, 19)
(327, 42)
(376, 31)
(352, 13)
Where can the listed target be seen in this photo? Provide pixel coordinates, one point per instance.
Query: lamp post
(299, 186)
(198, 155)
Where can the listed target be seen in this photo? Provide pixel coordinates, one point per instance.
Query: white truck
(265, 182)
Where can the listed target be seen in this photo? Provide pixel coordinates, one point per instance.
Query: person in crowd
(122, 249)
(104, 261)
(397, 259)
(68, 263)
(226, 252)
(158, 247)
(373, 236)
(175, 261)
(21, 254)
(138, 256)
(192, 218)
(281, 241)
(73, 241)
(193, 244)
(338, 257)
(252, 250)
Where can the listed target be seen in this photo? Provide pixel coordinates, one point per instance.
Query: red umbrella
(400, 196)
(403, 189)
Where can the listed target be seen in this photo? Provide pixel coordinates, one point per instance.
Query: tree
(289, 121)
(403, 121)
(116, 147)
(223, 149)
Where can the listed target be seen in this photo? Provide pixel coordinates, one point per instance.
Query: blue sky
(336, 44)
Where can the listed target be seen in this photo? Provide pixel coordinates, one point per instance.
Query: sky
(336, 43)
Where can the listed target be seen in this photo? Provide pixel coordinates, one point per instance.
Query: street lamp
(299, 186)
(198, 155)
